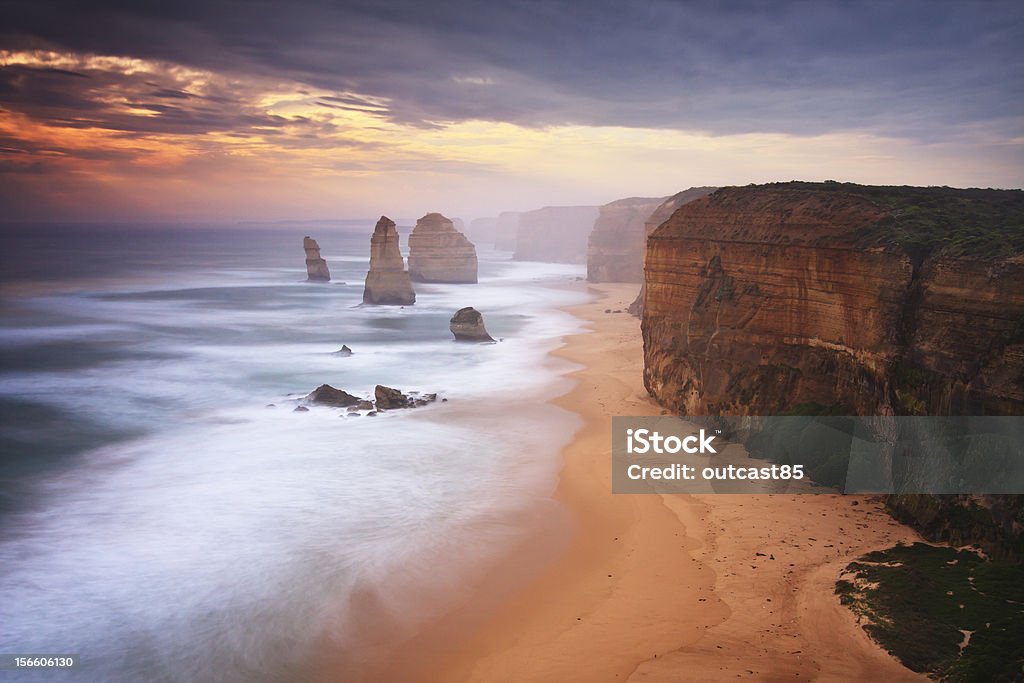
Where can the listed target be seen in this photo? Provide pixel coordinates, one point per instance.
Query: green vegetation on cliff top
(980, 223)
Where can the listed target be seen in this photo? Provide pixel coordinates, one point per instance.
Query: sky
(222, 111)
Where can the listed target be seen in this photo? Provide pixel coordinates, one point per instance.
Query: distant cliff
(483, 231)
(555, 234)
(866, 300)
(615, 249)
(440, 253)
(505, 231)
(659, 216)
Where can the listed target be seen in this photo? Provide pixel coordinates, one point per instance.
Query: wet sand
(660, 588)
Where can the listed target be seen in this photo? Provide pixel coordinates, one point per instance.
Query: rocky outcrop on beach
(661, 214)
(391, 399)
(327, 395)
(316, 267)
(850, 299)
(440, 253)
(387, 282)
(555, 234)
(468, 325)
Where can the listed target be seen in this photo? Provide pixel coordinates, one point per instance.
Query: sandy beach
(665, 587)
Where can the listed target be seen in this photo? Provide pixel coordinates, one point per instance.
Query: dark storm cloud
(914, 68)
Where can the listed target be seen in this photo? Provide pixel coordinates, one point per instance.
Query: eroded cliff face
(869, 301)
(440, 253)
(555, 234)
(387, 282)
(615, 249)
(762, 298)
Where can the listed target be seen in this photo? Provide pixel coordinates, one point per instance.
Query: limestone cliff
(657, 217)
(555, 234)
(864, 300)
(440, 253)
(316, 267)
(387, 281)
(615, 249)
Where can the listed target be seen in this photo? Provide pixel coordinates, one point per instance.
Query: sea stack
(316, 267)
(468, 325)
(387, 282)
(440, 253)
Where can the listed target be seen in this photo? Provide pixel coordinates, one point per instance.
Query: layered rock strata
(859, 300)
(440, 253)
(316, 267)
(387, 282)
(555, 234)
(661, 214)
(764, 297)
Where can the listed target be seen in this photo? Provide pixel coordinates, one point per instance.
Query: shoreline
(658, 587)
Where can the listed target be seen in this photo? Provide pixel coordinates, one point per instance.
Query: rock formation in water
(343, 351)
(327, 395)
(316, 267)
(861, 300)
(659, 216)
(392, 399)
(555, 234)
(615, 249)
(440, 253)
(387, 281)
(468, 325)
(506, 231)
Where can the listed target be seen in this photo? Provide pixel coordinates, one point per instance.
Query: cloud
(915, 67)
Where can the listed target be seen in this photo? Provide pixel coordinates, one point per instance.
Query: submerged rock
(343, 351)
(468, 325)
(325, 394)
(440, 253)
(387, 282)
(301, 409)
(316, 267)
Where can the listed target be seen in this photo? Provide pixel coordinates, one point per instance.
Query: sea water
(165, 514)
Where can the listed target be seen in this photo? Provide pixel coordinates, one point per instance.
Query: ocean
(165, 515)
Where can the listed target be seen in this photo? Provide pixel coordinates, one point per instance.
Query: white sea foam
(227, 539)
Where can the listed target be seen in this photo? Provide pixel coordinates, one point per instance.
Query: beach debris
(468, 325)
